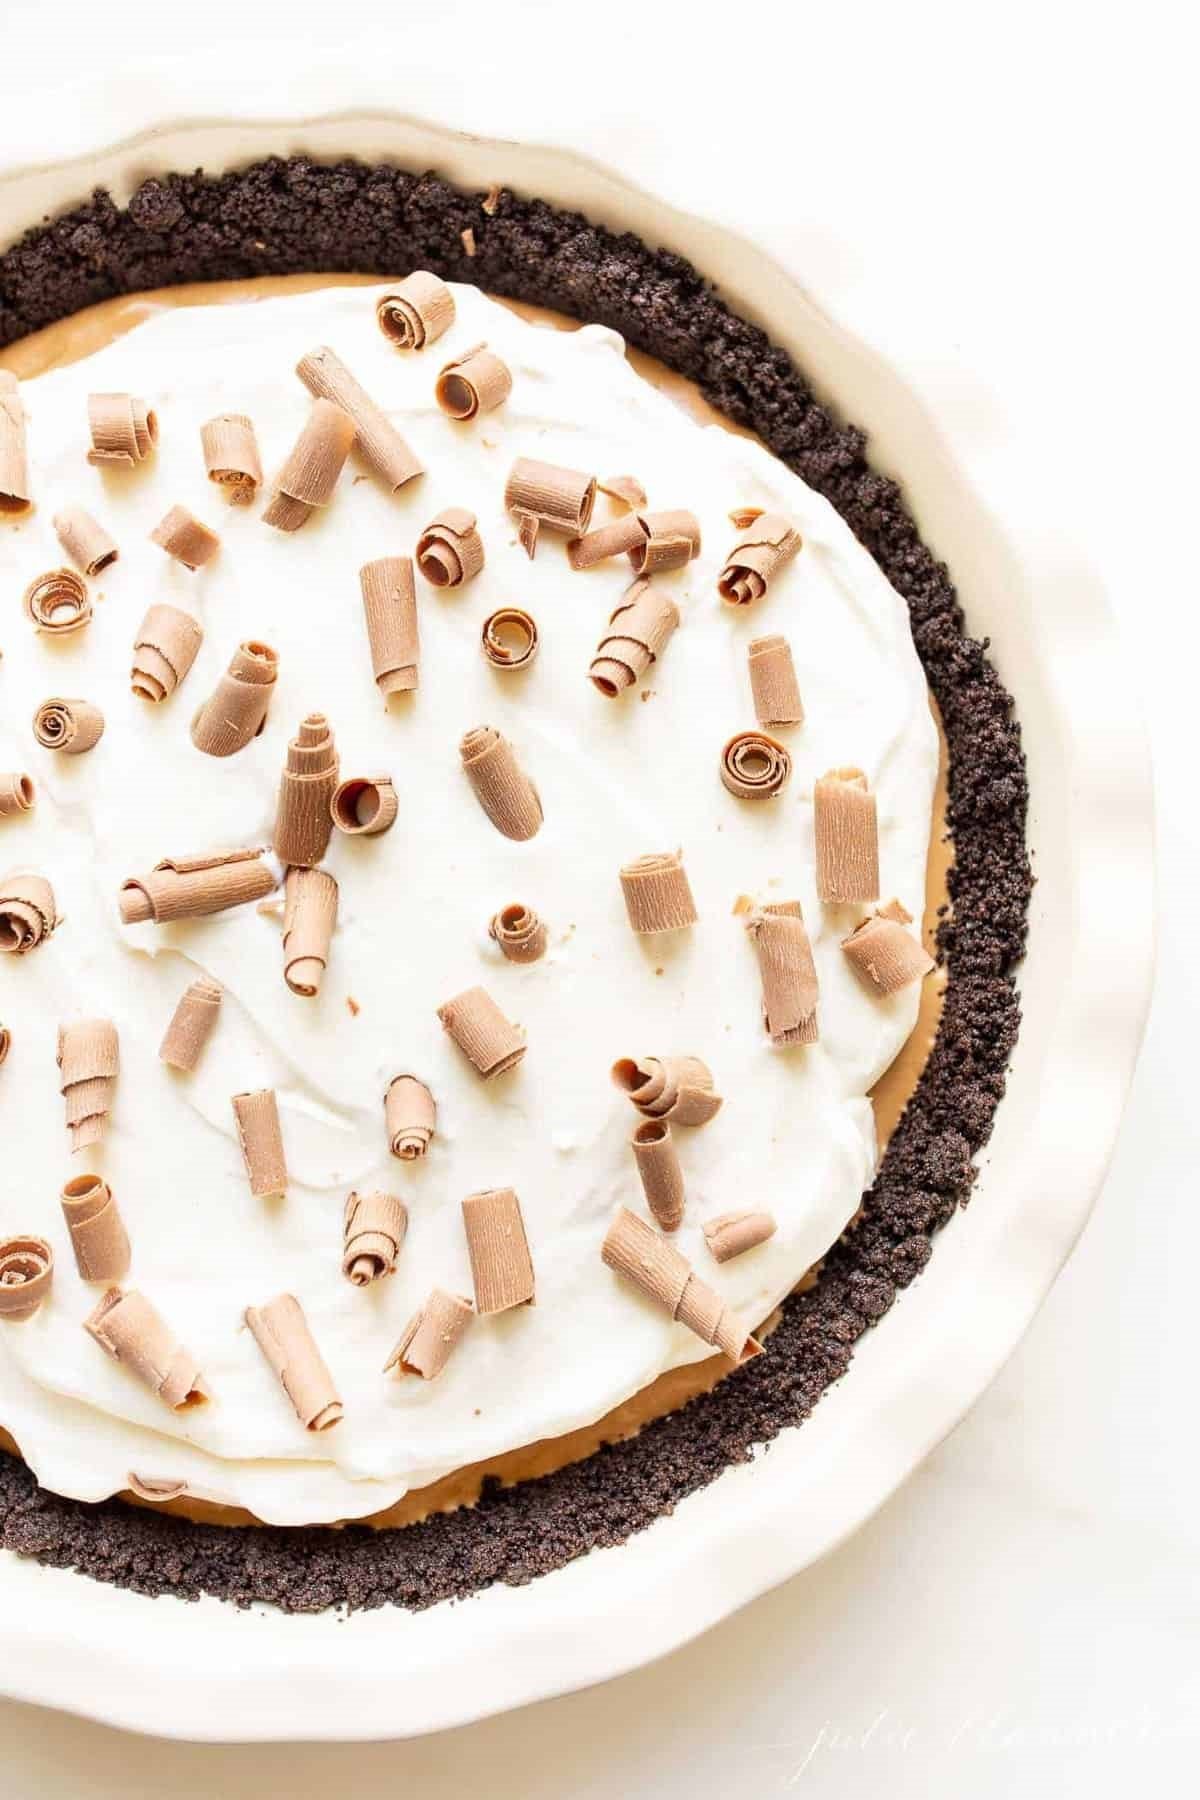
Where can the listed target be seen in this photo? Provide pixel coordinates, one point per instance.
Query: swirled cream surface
(617, 779)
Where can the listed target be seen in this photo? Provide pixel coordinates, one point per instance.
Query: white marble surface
(1025, 1615)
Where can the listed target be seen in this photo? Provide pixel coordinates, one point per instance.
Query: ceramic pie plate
(207, 1670)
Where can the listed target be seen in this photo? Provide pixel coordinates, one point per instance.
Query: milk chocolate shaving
(98, 1236)
(561, 499)
(15, 496)
(489, 1041)
(88, 1060)
(450, 549)
(261, 1139)
(231, 456)
(26, 1275)
(155, 1488)
(72, 726)
(626, 489)
(310, 777)
(669, 541)
(5, 1043)
(192, 1024)
(431, 1336)
(236, 712)
(754, 767)
(763, 547)
(410, 1115)
(85, 540)
(310, 915)
(732, 1234)
(310, 474)
(847, 837)
(501, 786)
(787, 973)
(28, 912)
(773, 682)
(181, 534)
(679, 1088)
(638, 633)
(658, 1166)
(124, 429)
(467, 236)
(363, 807)
(195, 887)
(164, 649)
(657, 1270)
(475, 382)
(615, 539)
(528, 527)
(379, 444)
(885, 955)
(490, 204)
(282, 1334)
(58, 602)
(390, 605)
(509, 638)
(131, 1330)
(17, 794)
(741, 516)
(417, 311)
(501, 1266)
(519, 933)
(373, 1234)
(658, 895)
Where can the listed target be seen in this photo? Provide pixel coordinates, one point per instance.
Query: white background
(1025, 1616)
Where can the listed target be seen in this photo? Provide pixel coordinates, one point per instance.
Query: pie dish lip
(206, 1671)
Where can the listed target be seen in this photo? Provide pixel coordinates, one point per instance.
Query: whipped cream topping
(617, 779)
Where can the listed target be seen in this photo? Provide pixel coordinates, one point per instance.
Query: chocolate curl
(658, 1165)
(847, 837)
(155, 1488)
(502, 788)
(363, 807)
(124, 429)
(431, 1336)
(26, 1274)
(130, 1329)
(310, 914)
(491, 1043)
(614, 539)
(310, 474)
(72, 726)
(627, 490)
(373, 1234)
(884, 954)
(519, 933)
(417, 311)
(679, 1088)
(410, 1116)
(98, 1236)
(390, 604)
(181, 534)
(450, 549)
(670, 541)
(310, 778)
(84, 540)
(163, 651)
(732, 1234)
(236, 712)
(539, 493)
(195, 887)
(5, 1043)
(192, 1024)
(88, 1058)
(467, 238)
(657, 1270)
(773, 682)
(58, 603)
(380, 445)
(787, 973)
(754, 767)
(501, 1266)
(475, 382)
(15, 496)
(231, 456)
(638, 633)
(28, 912)
(658, 895)
(528, 527)
(764, 546)
(509, 638)
(282, 1334)
(261, 1139)
(17, 795)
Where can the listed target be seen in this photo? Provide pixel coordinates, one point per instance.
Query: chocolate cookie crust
(281, 217)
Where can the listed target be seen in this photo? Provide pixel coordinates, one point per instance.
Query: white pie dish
(208, 1671)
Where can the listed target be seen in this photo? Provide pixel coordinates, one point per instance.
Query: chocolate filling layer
(279, 217)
